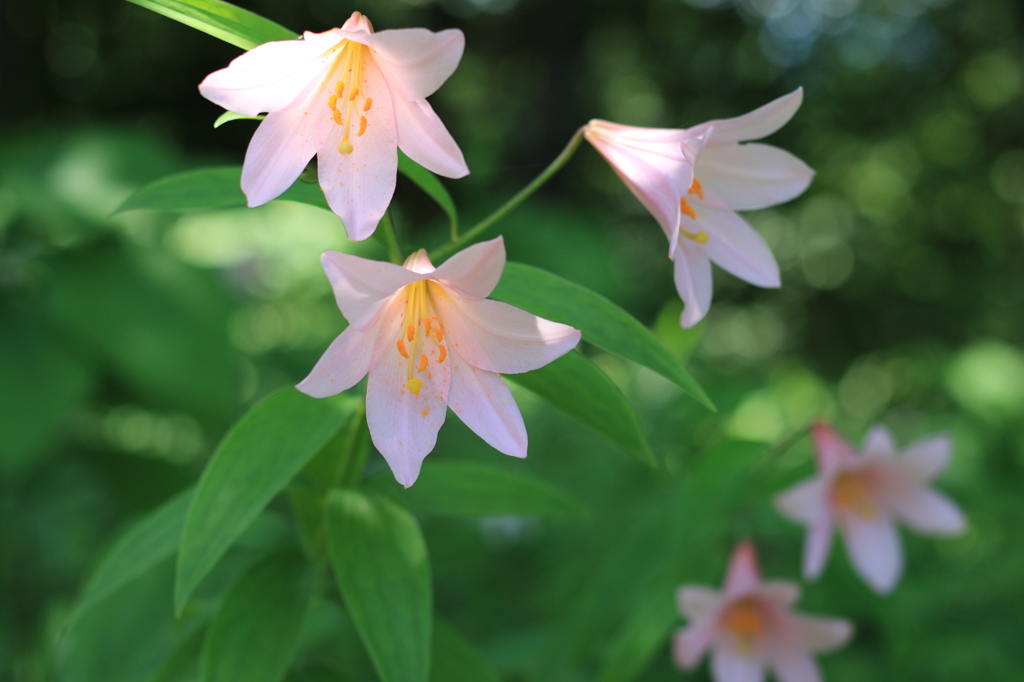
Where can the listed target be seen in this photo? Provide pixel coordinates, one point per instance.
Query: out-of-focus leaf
(183, 663)
(429, 183)
(210, 188)
(453, 659)
(232, 116)
(579, 388)
(381, 565)
(474, 489)
(254, 462)
(231, 24)
(255, 633)
(630, 650)
(603, 323)
(151, 540)
(329, 641)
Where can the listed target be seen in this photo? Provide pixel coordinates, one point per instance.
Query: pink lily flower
(864, 495)
(694, 180)
(750, 627)
(430, 340)
(350, 96)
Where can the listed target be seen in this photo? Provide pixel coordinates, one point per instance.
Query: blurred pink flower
(750, 627)
(350, 96)
(694, 180)
(430, 340)
(864, 495)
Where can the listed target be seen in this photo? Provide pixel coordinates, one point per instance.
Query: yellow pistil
(851, 492)
(744, 621)
(351, 57)
(701, 237)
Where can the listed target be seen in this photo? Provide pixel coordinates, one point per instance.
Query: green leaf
(148, 542)
(255, 634)
(231, 24)
(579, 388)
(381, 565)
(232, 116)
(453, 659)
(630, 650)
(210, 188)
(473, 489)
(255, 461)
(429, 183)
(603, 323)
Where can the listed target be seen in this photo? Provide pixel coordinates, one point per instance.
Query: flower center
(420, 331)
(701, 237)
(744, 621)
(851, 492)
(349, 104)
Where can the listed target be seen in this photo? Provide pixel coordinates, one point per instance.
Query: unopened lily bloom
(750, 627)
(864, 495)
(350, 96)
(430, 339)
(694, 180)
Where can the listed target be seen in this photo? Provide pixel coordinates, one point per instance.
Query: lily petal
(692, 274)
(697, 602)
(748, 177)
(743, 575)
(403, 424)
(482, 401)
(425, 140)
(689, 644)
(878, 443)
(928, 511)
(272, 76)
(782, 592)
(875, 550)
(831, 451)
(277, 154)
(475, 270)
(415, 61)
(500, 338)
(927, 458)
(803, 502)
(343, 364)
(821, 634)
(817, 545)
(359, 185)
(758, 123)
(793, 665)
(730, 666)
(736, 247)
(361, 286)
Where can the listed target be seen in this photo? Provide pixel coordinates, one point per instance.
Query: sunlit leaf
(231, 24)
(256, 631)
(381, 565)
(603, 323)
(210, 188)
(454, 659)
(578, 387)
(232, 116)
(254, 462)
(474, 489)
(429, 183)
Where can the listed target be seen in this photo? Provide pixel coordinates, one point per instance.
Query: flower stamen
(744, 621)
(851, 492)
(686, 209)
(695, 188)
(351, 56)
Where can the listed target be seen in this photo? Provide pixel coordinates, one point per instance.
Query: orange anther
(438, 334)
(695, 188)
(332, 102)
(686, 209)
(402, 350)
(337, 117)
(369, 103)
(442, 354)
(426, 325)
(423, 363)
(362, 126)
(410, 332)
(353, 93)
(339, 88)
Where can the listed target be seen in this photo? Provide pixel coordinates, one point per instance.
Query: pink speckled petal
(483, 402)
(475, 270)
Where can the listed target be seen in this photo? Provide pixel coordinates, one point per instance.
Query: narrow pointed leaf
(579, 388)
(232, 116)
(603, 323)
(429, 183)
(456, 660)
(258, 457)
(255, 634)
(383, 573)
(231, 24)
(151, 540)
(474, 489)
(210, 188)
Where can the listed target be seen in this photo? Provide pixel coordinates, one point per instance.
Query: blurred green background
(129, 344)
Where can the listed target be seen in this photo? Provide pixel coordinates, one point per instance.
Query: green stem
(394, 253)
(512, 203)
